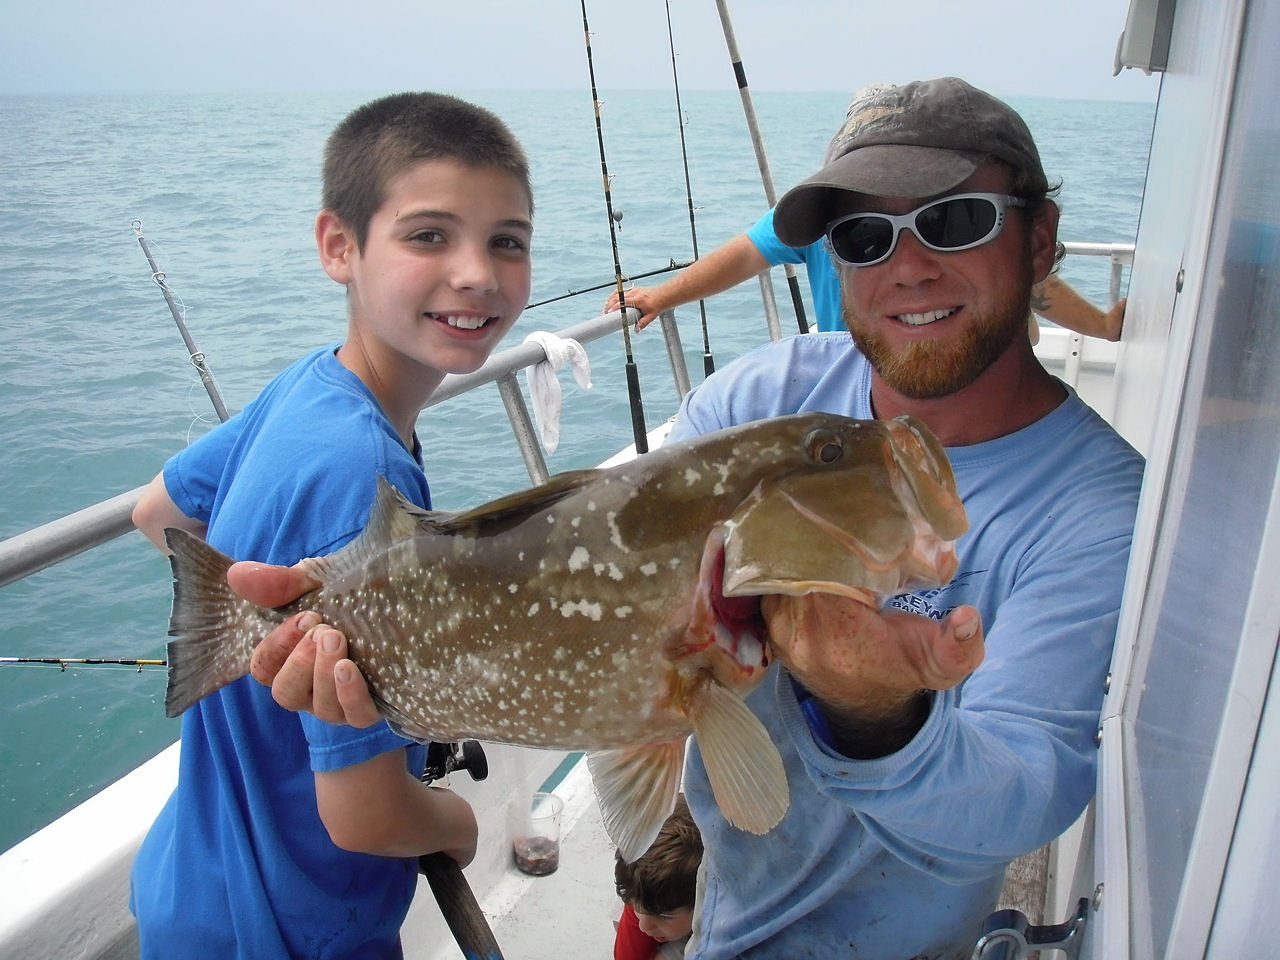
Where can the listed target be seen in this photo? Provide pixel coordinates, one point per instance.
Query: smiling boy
(286, 836)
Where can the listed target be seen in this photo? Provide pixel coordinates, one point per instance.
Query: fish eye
(824, 446)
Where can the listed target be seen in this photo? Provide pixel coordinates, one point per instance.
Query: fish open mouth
(739, 618)
(732, 626)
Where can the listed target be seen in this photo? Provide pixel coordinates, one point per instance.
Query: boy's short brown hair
(665, 878)
(377, 141)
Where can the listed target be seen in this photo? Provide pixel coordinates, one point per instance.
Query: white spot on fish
(692, 476)
(585, 607)
(533, 609)
(513, 587)
(649, 569)
(579, 559)
(622, 612)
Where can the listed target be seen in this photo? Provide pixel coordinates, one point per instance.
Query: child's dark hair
(380, 139)
(665, 878)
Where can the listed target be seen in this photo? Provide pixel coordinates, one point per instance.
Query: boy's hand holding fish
(303, 660)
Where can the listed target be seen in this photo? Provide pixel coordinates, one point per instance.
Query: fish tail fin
(743, 764)
(214, 629)
(636, 789)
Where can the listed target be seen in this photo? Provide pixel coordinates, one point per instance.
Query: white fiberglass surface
(1211, 626)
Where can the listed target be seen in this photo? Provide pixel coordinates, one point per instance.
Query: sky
(1009, 47)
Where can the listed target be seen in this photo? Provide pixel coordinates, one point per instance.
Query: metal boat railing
(32, 551)
(1121, 255)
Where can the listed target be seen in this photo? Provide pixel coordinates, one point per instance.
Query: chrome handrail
(1121, 255)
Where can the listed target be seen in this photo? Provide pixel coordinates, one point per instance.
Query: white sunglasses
(948, 224)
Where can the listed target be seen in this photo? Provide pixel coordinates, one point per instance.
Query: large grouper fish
(613, 611)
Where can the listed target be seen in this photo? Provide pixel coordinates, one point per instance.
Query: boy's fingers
(268, 585)
(331, 647)
(270, 655)
(358, 707)
(291, 686)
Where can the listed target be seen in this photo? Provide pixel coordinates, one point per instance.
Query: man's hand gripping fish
(613, 611)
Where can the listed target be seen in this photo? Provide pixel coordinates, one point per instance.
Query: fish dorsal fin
(743, 765)
(393, 517)
(513, 507)
(636, 789)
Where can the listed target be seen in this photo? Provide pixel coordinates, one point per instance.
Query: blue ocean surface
(96, 390)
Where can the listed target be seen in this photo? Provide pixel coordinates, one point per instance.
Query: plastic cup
(533, 823)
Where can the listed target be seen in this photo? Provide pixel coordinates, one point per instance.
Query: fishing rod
(633, 377)
(65, 662)
(673, 265)
(708, 364)
(757, 141)
(458, 904)
(197, 358)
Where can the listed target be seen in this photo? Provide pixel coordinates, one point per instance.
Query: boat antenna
(753, 126)
(633, 376)
(708, 364)
(197, 358)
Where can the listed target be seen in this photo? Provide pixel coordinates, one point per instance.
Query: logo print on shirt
(936, 604)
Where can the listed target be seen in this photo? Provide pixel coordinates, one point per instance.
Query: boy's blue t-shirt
(824, 282)
(238, 863)
(903, 856)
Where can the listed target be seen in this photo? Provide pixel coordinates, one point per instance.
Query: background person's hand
(642, 299)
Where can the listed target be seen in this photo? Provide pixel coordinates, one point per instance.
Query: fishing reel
(444, 758)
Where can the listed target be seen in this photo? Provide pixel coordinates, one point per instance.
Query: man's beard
(927, 369)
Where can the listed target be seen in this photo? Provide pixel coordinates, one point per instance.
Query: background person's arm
(724, 267)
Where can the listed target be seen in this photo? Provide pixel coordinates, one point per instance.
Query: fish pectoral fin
(636, 789)
(743, 764)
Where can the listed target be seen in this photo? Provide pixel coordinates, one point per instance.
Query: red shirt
(632, 943)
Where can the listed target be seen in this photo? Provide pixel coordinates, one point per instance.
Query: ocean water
(96, 390)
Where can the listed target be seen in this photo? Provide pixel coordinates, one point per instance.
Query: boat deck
(566, 913)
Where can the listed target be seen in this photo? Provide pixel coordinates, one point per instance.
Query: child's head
(661, 885)
(384, 137)
(427, 222)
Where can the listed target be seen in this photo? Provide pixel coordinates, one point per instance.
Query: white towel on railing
(544, 385)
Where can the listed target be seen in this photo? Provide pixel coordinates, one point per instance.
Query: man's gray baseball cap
(914, 140)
